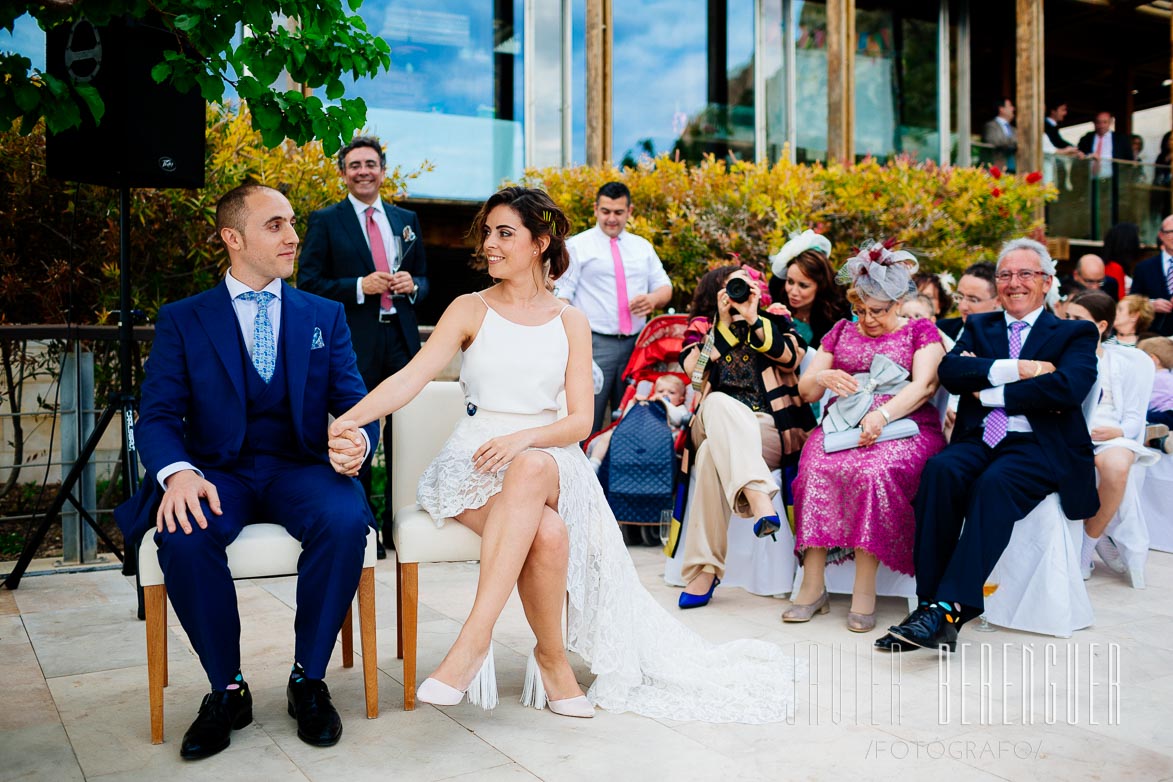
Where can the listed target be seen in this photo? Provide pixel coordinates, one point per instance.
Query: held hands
(837, 381)
(347, 447)
(500, 451)
(378, 283)
(184, 490)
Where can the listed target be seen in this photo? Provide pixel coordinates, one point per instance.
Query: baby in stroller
(669, 390)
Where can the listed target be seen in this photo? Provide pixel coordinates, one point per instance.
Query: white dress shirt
(1004, 371)
(390, 246)
(246, 313)
(589, 281)
(1104, 170)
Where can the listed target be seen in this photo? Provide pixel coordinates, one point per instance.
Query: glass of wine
(988, 588)
(665, 526)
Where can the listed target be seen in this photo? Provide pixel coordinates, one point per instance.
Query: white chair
(759, 566)
(1156, 497)
(1040, 585)
(260, 551)
(417, 432)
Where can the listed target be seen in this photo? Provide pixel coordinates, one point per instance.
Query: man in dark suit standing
(1001, 136)
(233, 430)
(1104, 148)
(1020, 435)
(369, 254)
(1154, 278)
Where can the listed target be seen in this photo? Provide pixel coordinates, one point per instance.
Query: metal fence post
(79, 543)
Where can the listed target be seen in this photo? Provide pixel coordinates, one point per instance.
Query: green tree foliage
(327, 42)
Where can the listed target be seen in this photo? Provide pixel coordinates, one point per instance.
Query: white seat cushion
(260, 551)
(417, 539)
(1155, 496)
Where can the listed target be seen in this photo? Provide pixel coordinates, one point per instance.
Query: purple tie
(1169, 278)
(996, 421)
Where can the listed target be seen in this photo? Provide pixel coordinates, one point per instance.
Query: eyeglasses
(958, 298)
(862, 312)
(1026, 275)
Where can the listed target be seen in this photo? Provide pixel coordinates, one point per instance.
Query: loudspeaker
(151, 135)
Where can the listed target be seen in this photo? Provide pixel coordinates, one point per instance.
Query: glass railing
(1095, 195)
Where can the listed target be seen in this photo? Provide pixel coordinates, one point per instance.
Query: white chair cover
(759, 566)
(1040, 585)
(1156, 503)
(1040, 588)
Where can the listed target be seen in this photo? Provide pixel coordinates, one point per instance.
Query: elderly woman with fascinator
(861, 467)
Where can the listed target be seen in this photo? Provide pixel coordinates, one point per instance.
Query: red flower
(1034, 177)
(995, 192)
(995, 172)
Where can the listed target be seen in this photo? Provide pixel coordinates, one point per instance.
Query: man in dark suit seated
(1020, 435)
(1154, 278)
(369, 254)
(1091, 274)
(233, 430)
(976, 292)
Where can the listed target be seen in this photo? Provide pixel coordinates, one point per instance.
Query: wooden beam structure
(1029, 98)
(599, 40)
(841, 81)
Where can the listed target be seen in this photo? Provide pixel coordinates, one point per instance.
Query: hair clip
(548, 216)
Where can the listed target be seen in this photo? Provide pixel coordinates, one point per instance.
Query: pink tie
(1097, 154)
(997, 423)
(621, 289)
(379, 255)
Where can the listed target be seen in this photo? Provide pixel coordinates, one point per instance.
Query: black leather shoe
(927, 628)
(318, 722)
(889, 643)
(221, 712)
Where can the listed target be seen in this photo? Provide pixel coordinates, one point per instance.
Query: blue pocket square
(317, 341)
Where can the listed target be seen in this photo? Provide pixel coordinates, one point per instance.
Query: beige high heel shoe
(534, 694)
(481, 691)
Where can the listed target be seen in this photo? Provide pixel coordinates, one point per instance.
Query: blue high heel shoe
(767, 525)
(696, 601)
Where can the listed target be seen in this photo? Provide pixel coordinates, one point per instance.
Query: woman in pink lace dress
(857, 502)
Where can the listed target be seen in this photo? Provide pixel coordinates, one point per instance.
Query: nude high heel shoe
(481, 691)
(534, 694)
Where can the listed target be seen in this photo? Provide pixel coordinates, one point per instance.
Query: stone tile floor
(1096, 706)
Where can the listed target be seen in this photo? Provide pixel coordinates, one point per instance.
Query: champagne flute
(988, 589)
(665, 526)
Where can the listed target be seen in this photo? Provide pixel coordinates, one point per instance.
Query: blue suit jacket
(193, 395)
(335, 254)
(1052, 403)
(1148, 279)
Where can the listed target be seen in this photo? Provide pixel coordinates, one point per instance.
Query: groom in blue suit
(1022, 375)
(233, 429)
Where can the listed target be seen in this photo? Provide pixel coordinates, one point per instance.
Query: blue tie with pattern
(264, 346)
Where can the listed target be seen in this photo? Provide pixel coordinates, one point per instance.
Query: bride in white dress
(513, 472)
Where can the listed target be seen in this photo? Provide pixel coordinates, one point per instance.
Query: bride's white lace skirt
(644, 660)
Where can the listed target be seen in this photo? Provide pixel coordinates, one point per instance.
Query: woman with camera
(853, 499)
(743, 360)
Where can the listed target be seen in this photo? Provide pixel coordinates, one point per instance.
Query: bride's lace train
(644, 660)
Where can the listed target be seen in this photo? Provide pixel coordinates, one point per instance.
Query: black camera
(737, 289)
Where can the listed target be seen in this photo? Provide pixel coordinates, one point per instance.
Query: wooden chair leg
(166, 664)
(155, 605)
(348, 638)
(409, 589)
(398, 608)
(370, 653)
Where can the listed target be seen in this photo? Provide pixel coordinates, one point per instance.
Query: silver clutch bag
(849, 438)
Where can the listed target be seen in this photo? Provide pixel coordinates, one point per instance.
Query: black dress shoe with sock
(221, 712)
(928, 627)
(309, 703)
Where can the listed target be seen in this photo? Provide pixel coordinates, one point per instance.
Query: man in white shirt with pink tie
(617, 280)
